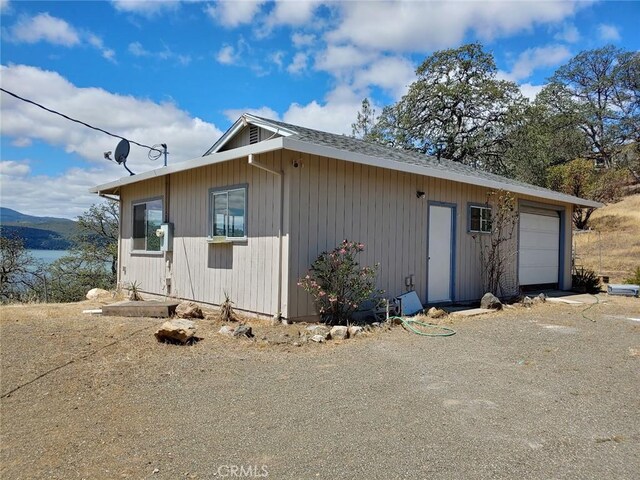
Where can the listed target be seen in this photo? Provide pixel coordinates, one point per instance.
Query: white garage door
(539, 248)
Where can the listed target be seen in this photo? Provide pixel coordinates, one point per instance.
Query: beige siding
(247, 271)
(333, 200)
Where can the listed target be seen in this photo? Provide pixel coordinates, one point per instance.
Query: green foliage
(338, 284)
(585, 280)
(18, 270)
(634, 279)
(69, 278)
(365, 121)
(97, 238)
(456, 109)
(581, 178)
(134, 291)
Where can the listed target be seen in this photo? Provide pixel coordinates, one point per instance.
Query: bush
(338, 284)
(585, 280)
(634, 279)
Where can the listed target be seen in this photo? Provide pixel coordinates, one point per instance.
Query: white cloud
(534, 58)
(341, 59)
(569, 34)
(44, 28)
(393, 74)
(145, 8)
(300, 40)
(265, 112)
(4, 5)
(21, 142)
(530, 91)
(424, 26)
(278, 58)
(609, 33)
(227, 55)
(136, 49)
(13, 168)
(231, 14)
(298, 64)
(97, 42)
(287, 12)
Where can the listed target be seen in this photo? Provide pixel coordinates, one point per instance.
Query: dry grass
(612, 246)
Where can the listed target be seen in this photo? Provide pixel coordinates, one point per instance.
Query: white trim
(332, 152)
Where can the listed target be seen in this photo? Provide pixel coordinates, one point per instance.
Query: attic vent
(254, 133)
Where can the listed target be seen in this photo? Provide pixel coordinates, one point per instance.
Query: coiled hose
(408, 323)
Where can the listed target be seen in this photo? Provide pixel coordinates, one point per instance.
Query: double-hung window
(228, 213)
(479, 219)
(147, 218)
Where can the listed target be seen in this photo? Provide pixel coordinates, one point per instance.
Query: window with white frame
(147, 218)
(228, 213)
(479, 219)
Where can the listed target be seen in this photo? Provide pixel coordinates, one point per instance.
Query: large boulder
(490, 301)
(176, 331)
(355, 330)
(97, 293)
(339, 332)
(189, 310)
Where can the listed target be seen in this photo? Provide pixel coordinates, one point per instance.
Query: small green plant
(634, 279)
(226, 310)
(134, 291)
(338, 284)
(586, 281)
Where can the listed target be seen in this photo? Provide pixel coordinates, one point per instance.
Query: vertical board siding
(247, 271)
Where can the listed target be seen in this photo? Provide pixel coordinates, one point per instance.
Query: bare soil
(546, 392)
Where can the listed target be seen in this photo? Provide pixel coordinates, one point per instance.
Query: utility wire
(76, 121)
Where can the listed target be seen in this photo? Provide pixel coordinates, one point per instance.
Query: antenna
(155, 152)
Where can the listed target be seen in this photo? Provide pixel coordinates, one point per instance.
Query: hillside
(612, 246)
(40, 233)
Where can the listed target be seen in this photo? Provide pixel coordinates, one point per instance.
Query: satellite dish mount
(122, 152)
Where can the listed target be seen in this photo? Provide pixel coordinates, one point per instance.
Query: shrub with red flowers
(338, 284)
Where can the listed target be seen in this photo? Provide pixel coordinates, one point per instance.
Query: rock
(188, 310)
(96, 293)
(540, 298)
(395, 321)
(339, 332)
(376, 325)
(320, 330)
(177, 331)
(318, 338)
(226, 330)
(490, 301)
(434, 312)
(355, 330)
(243, 330)
(276, 320)
(527, 301)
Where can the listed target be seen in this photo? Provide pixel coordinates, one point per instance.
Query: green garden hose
(407, 323)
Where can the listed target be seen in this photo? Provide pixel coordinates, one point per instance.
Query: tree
(17, 269)
(365, 121)
(598, 92)
(581, 178)
(456, 109)
(98, 237)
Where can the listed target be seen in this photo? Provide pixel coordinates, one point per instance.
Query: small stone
(540, 298)
(490, 301)
(320, 330)
(339, 332)
(156, 470)
(96, 293)
(177, 331)
(355, 330)
(296, 344)
(226, 330)
(434, 312)
(376, 325)
(318, 338)
(527, 301)
(189, 310)
(243, 330)
(395, 321)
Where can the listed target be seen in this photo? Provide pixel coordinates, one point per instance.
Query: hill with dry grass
(612, 246)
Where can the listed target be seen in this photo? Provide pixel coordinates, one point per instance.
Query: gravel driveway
(538, 394)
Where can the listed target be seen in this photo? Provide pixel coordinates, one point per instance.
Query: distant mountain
(39, 233)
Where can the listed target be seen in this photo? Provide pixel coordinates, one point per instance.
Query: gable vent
(254, 134)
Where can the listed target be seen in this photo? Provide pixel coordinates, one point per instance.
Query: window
(479, 219)
(147, 218)
(228, 209)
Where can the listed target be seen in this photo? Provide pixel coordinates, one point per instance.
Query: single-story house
(249, 217)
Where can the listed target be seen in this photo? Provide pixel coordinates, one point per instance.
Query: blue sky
(181, 72)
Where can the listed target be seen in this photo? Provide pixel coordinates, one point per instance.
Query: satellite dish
(122, 151)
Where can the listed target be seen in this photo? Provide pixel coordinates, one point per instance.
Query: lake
(47, 256)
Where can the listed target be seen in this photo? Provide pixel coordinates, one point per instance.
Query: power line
(75, 120)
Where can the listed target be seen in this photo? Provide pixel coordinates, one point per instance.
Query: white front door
(439, 286)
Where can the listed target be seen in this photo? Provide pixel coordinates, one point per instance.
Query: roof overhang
(296, 145)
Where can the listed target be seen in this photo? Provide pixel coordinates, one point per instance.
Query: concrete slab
(472, 312)
(149, 308)
(570, 298)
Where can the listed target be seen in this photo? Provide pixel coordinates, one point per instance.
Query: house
(249, 217)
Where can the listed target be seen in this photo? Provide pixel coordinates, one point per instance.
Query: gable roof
(341, 147)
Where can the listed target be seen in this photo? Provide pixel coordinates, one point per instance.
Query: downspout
(280, 174)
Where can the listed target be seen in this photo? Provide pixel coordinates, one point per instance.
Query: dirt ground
(547, 392)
